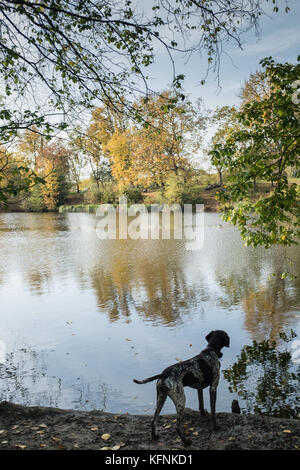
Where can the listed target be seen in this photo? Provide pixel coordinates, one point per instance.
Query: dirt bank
(43, 428)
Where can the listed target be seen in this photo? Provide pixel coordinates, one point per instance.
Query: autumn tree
(50, 161)
(89, 145)
(144, 154)
(60, 57)
(173, 135)
(53, 164)
(256, 88)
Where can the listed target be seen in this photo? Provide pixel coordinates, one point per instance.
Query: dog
(198, 372)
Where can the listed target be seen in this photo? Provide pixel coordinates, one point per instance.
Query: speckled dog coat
(198, 372)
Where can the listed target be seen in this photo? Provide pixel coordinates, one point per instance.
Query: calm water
(80, 317)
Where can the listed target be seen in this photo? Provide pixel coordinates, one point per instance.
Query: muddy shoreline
(42, 428)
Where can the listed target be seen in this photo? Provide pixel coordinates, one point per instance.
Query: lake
(81, 317)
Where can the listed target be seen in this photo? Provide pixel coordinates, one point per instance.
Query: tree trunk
(220, 177)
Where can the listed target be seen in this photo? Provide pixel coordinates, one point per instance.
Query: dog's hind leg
(178, 397)
(160, 401)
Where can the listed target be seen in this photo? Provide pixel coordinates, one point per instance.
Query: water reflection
(25, 379)
(61, 287)
(157, 279)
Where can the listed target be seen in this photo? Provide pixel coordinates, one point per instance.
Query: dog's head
(220, 336)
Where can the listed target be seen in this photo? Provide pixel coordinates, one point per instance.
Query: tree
(59, 57)
(89, 144)
(31, 145)
(256, 88)
(15, 176)
(225, 118)
(266, 146)
(50, 163)
(53, 164)
(77, 162)
(149, 154)
(79, 53)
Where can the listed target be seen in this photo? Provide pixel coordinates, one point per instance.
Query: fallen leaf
(20, 446)
(2, 431)
(195, 433)
(167, 426)
(105, 437)
(115, 448)
(43, 425)
(104, 448)
(286, 430)
(95, 428)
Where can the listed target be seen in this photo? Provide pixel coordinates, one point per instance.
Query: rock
(235, 407)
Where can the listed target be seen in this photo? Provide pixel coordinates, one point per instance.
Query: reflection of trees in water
(267, 378)
(143, 281)
(269, 302)
(24, 379)
(153, 278)
(38, 281)
(268, 310)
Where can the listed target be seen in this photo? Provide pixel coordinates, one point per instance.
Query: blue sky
(279, 38)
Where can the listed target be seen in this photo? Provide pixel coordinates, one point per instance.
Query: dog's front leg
(213, 398)
(202, 410)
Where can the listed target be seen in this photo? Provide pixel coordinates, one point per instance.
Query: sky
(279, 38)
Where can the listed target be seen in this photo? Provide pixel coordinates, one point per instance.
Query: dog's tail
(148, 380)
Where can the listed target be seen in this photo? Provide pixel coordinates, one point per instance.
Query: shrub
(134, 195)
(110, 196)
(179, 191)
(93, 195)
(35, 202)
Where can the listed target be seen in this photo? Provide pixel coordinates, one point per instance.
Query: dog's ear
(226, 339)
(209, 336)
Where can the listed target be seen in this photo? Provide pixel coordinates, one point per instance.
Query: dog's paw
(187, 442)
(203, 412)
(155, 437)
